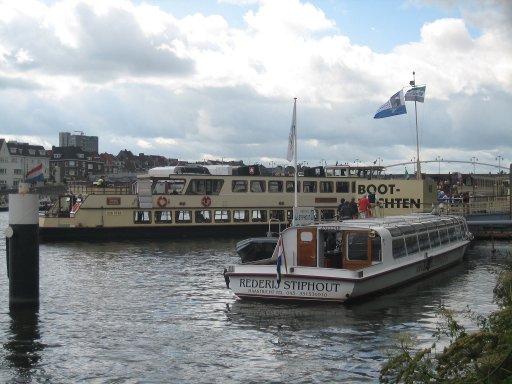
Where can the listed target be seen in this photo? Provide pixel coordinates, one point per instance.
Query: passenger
(354, 211)
(101, 181)
(372, 200)
(346, 212)
(364, 203)
(340, 207)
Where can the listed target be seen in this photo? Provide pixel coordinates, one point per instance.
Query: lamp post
(357, 162)
(439, 159)
(474, 160)
(499, 158)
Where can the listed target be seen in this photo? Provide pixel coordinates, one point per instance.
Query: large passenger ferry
(194, 201)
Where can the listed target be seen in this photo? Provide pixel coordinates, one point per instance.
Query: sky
(216, 79)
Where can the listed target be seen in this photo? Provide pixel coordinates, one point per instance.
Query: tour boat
(344, 260)
(195, 201)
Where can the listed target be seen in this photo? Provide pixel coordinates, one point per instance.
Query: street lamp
(439, 159)
(357, 162)
(499, 158)
(474, 160)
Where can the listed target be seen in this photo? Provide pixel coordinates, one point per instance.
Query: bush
(484, 356)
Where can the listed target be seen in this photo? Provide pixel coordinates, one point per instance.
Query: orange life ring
(162, 201)
(206, 201)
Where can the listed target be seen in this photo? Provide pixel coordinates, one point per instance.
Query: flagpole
(418, 163)
(295, 204)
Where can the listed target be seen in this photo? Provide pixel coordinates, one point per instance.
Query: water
(159, 312)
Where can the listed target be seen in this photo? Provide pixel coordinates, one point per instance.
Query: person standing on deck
(364, 204)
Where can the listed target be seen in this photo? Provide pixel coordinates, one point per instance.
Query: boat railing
(481, 205)
(92, 188)
(270, 233)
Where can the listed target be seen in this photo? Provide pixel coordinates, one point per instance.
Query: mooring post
(23, 248)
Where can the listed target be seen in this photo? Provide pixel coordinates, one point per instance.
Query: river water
(159, 312)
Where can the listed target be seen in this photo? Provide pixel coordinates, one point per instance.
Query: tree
(483, 356)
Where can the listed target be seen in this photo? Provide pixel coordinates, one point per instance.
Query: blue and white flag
(394, 106)
(280, 253)
(416, 94)
(293, 134)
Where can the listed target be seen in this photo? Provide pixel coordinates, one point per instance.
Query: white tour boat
(340, 261)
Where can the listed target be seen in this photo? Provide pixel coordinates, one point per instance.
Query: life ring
(206, 201)
(162, 201)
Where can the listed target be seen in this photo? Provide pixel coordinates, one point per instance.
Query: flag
(416, 94)
(394, 106)
(293, 134)
(280, 253)
(35, 174)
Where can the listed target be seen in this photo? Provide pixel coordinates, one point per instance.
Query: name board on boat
(303, 215)
(113, 201)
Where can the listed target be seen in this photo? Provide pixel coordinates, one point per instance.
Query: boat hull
(333, 285)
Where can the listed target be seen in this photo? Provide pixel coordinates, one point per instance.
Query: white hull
(332, 284)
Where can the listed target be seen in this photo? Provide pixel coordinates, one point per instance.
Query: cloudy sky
(216, 79)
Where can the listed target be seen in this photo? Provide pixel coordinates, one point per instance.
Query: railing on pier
(478, 206)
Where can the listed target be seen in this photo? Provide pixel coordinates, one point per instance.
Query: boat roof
(412, 220)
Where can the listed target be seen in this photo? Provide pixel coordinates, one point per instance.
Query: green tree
(483, 356)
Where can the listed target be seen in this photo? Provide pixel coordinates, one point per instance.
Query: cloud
(145, 80)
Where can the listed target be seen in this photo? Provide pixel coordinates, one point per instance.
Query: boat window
(204, 187)
(259, 215)
(275, 186)
(162, 217)
(277, 214)
(357, 246)
(327, 214)
(184, 216)
(411, 243)
(434, 239)
(175, 186)
(398, 246)
(326, 187)
(203, 216)
(221, 216)
(309, 186)
(342, 186)
(142, 217)
(395, 231)
(306, 236)
(376, 249)
(290, 186)
(240, 215)
(239, 186)
(257, 186)
(443, 232)
(424, 241)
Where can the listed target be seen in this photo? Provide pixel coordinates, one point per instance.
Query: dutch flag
(35, 174)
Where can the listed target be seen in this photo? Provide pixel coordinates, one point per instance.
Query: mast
(418, 163)
(295, 204)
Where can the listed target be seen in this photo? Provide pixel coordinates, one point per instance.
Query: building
(86, 143)
(73, 163)
(19, 159)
